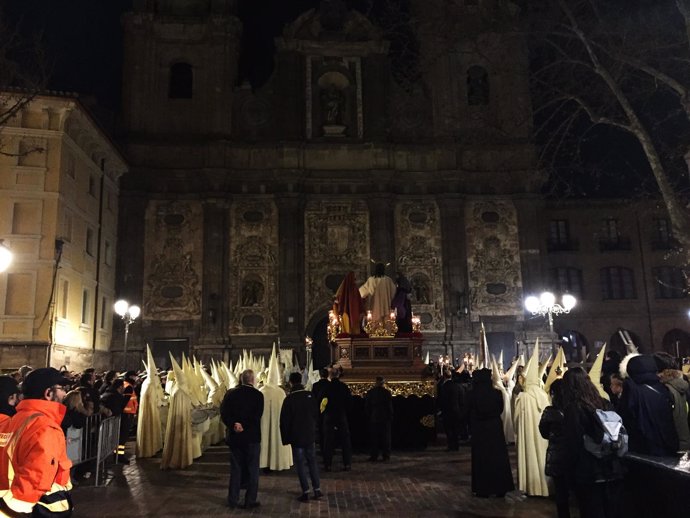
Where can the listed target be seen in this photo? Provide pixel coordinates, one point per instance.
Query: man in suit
(378, 406)
(298, 429)
(318, 390)
(241, 412)
(449, 401)
(335, 421)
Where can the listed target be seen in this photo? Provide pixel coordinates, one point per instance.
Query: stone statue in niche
(252, 293)
(420, 289)
(332, 104)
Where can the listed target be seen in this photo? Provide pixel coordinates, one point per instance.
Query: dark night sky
(83, 41)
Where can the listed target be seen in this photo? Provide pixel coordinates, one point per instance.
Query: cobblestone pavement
(431, 483)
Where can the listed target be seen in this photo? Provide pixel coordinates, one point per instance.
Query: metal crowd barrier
(97, 440)
(108, 440)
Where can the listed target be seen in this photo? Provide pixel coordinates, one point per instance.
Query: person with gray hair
(241, 412)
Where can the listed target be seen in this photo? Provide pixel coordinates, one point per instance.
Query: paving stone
(428, 483)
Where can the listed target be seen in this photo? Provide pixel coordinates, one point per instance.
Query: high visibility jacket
(132, 406)
(38, 472)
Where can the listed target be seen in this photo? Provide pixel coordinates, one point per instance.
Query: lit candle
(369, 314)
(392, 315)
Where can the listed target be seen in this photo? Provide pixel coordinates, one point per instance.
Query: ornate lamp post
(128, 314)
(546, 305)
(6, 256)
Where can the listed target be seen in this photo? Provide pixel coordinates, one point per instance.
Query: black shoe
(252, 505)
(347, 468)
(304, 497)
(317, 494)
(232, 505)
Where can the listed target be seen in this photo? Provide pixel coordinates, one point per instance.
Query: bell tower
(180, 67)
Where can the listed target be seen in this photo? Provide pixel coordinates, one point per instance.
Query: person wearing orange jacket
(34, 468)
(129, 413)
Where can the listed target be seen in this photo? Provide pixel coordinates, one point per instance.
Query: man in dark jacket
(378, 406)
(449, 400)
(335, 423)
(115, 400)
(318, 390)
(241, 411)
(647, 409)
(298, 417)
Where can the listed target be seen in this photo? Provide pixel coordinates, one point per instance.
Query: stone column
(214, 304)
(381, 230)
(291, 267)
(452, 211)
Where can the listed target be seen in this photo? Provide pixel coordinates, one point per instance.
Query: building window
(85, 307)
(89, 241)
(104, 307)
(19, 297)
(567, 280)
(617, 283)
(64, 300)
(108, 253)
(477, 86)
(68, 223)
(181, 81)
(663, 235)
(670, 283)
(611, 238)
(26, 218)
(559, 236)
(92, 185)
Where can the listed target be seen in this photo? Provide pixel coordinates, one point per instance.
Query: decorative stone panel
(173, 257)
(493, 258)
(254, 267)
(336, 242)
(419, 252)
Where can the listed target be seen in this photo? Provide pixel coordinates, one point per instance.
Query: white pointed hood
(595, 373)
(273, 377)
(532, 369)
(558, 368)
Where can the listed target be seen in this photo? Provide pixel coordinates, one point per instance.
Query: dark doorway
(161, 350)
(503, 341)
(321, 348)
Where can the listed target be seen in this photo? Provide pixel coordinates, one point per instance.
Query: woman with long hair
(597, 482)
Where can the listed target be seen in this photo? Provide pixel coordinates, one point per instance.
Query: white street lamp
(6, 256)
(545, 305)
(128, 314)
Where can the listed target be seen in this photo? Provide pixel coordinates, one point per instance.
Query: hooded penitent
(149, 432)
(274, 454)
(348, 305)
(558, 368)
(531, 447)
(646, 407)
(506, 417)
(595, 373)
(178, 448)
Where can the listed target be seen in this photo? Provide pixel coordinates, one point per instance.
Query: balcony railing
(615, 245)
(571, 245)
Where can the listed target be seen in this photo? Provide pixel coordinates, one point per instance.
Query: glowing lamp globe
(121, 307)
(547, 299)
(569, 302)
(532, 304)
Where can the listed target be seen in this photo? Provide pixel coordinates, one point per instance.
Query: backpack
(615, 439)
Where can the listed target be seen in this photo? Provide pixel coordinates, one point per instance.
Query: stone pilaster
(381, 229)
(291, 267)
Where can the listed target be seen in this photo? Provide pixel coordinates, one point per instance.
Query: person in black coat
(335, 422)
(241, 412)
(491, 474)
(298, 417)
(318, 390)
(596, 482)
(551, 429)
(646, 407)
(114, 398)
(449, 404)
(378, 406)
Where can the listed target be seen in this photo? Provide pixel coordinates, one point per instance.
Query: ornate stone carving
(172, 290)
(253, 267)
(336, 242)
(493, 258)
(419, 252)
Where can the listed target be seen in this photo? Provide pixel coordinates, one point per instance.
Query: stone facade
(331, 163)
(58, 214)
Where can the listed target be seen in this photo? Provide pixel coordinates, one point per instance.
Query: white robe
(149, 430)
(531, 447)
(178, 448)
(506, 415)
(379, 292)
(274, 454)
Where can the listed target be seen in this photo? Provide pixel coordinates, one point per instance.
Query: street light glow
(5, 257)
(569, 301)
(134, 312)
(121, 307)
(532, 304)
(547, 299)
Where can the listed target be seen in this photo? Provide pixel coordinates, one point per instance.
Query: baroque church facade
(244, 207)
